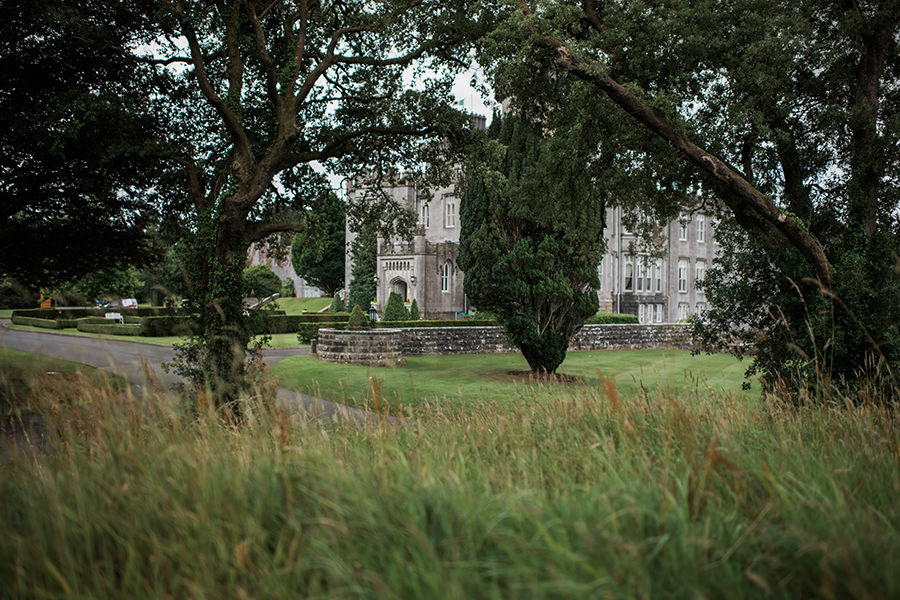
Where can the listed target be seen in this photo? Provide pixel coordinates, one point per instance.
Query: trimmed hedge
(77, 313)
(471, 323)
(168, 325)
(110, 328)
(602, 318)
(36, 322)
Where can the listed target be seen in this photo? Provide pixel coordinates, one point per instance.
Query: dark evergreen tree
(394, 309)
(318, 252)
(363, 251)
(531, 240)
(337, 305)
(414, 310)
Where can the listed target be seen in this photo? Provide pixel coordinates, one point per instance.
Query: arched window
(445, 277)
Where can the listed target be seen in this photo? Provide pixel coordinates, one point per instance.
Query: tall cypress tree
(531, 240)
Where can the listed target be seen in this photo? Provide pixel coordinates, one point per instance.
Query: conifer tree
(530, 241)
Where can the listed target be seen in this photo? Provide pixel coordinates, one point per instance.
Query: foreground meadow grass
(464, 379)
(584, 494)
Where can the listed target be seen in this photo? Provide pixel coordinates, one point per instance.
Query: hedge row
(469, 323)
(77, 313)
(603, 318)
(36, 322)
(168, 325)
(111, 328)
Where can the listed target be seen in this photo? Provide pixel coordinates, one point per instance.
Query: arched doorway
(399, 286)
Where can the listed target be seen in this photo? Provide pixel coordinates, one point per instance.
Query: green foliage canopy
(260, 281)
(318, 252)
(779, 117)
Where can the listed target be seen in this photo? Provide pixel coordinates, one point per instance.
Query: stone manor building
(658, 290)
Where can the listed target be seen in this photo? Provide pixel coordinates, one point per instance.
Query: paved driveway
(135, 360)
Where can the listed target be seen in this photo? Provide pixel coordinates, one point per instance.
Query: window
(629, 276)
(642, 313)
(646, 270)
(658, 274)
(425, 215)
(600, 275)
(657, 313)
(682, 276)
(700, 273)
(682, 311)
(682, 231)
(701, 308)
(700, 223)
(445, 277)
(450, 213)
(641, 272)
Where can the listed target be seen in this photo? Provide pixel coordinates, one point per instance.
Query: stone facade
(663, 288)
(373, 347)
(258, 255)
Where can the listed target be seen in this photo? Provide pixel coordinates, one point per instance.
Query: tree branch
(229, 118)
(257, 232)
(265, 59)
(741, 193)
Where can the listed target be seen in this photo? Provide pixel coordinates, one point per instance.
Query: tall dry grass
(582, 495)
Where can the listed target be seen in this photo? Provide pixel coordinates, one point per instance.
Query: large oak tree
(263, 92)
(781, 114)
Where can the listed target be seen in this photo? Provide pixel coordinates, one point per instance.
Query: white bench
(115, 316)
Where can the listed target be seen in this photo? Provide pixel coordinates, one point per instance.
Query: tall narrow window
(445, 277)
(701, 221)
(682, 311)
(641, 271)
(647, 277)
(700, 273)
(657, 313)
(658, 275)
(642, 313)
(600, 275)
(425, 215)
(629, 276)
(682, 231)
(450, 213)
(682, 275)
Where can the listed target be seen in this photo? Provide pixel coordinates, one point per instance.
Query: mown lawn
(468, 378)
(296, 306)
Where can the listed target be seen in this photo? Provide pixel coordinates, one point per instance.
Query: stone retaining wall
(374, 347)
(363, 347)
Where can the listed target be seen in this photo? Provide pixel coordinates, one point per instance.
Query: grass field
(587, 494)
(471, 378)
(296, 306)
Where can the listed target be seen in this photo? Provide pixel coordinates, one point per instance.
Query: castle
(666, 289)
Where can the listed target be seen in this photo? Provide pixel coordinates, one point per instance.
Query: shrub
(437, 323)
(309, 331)
(358, 319)
(337, 305)
(261, 281)
(602, 318)
(414, 311)
(394, 309)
